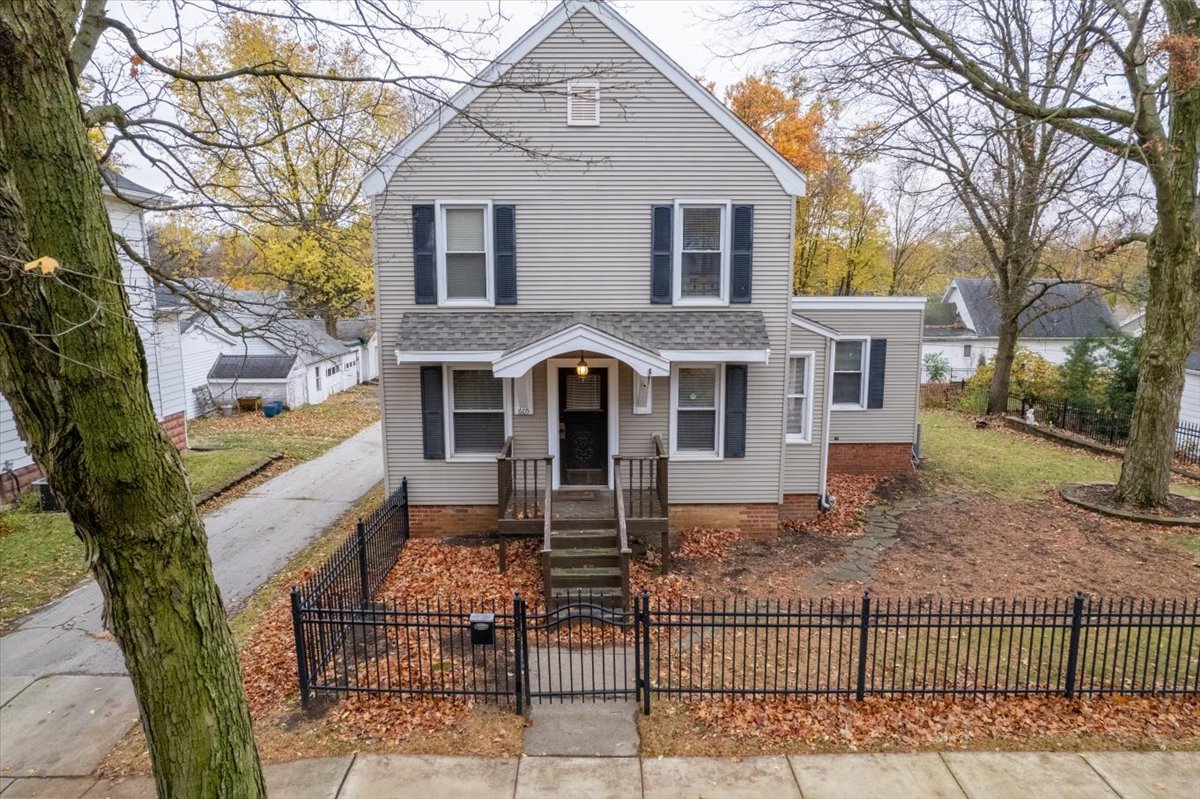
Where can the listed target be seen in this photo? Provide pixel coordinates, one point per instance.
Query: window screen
(696, 409)
(848, 373)
(477, 411)
(700, 258)
(466, 254)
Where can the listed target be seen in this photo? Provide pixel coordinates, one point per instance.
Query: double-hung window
(464, 253)
(476, 418)
(799, 393)
(696, 403)
(850, 374)
(702, 252)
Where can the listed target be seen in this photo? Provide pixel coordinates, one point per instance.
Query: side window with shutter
(877, 373)
(433, 427)
(504, 234)
(662, 235)
(424, 254)
(735, 411)
(741, 265)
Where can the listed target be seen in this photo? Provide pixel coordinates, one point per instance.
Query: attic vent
(583, 102)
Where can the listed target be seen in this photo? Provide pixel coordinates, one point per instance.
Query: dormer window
(583, 102)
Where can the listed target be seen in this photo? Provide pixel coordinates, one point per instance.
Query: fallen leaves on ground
(430, 571)
(910, 722)
(855, 493)
(367, 719)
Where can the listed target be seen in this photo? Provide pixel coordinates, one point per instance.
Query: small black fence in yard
(1108, 426)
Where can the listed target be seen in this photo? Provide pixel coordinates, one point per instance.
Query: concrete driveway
(65, 698)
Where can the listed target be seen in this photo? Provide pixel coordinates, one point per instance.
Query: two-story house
(609, 305)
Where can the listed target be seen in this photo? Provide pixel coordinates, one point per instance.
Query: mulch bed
(1101, 497)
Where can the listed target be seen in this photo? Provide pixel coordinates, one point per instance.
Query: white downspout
(824, 501)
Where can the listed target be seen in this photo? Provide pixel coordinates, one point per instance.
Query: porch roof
(647, 340)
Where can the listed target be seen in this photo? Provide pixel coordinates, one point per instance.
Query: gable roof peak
(790, 179)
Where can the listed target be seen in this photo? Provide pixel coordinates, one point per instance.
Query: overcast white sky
(685, 30)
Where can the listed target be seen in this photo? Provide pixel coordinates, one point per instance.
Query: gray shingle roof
(351, 329)
(465, 331)
(1065, 310)
(252, 367)
(1193, 361)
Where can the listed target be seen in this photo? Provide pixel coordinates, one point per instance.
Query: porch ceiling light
(581, 368)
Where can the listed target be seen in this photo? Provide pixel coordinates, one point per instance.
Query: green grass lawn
(1006, 464)
(40, 557)
(209, 469)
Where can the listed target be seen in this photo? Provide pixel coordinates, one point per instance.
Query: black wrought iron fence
(1108, 426)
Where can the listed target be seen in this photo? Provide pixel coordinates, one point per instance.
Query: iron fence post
(518, 646)
(301, 651)
(864, 622)
(645, 647)
(1062, 423)
(1073, 645)
(361, 533)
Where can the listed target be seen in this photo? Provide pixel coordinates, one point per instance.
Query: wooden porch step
(585, 577)
(585, 556)
(583, 539)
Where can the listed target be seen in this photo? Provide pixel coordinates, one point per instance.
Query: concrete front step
(586, 577)
(579, 557)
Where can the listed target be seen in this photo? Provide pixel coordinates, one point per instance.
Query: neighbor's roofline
(790, 179)
(858, 303)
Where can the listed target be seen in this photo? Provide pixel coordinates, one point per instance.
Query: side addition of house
(617, 314)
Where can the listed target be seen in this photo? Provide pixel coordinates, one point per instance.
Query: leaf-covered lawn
(300, 435)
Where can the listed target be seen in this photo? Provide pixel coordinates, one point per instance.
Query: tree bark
(1006, 349)
(73, 369)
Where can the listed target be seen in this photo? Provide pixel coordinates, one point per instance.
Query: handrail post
(863, 626)
(360, 532)
(301, 649)
(1073, 645)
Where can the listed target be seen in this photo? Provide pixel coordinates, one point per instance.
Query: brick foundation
(881, 460)
(175, 426)
(758, 520)
(432, 521)
(799, 506)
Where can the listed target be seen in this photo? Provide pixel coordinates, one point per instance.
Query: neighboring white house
(360, 334)
(1189, 406)
(158, 326)
(965, 326)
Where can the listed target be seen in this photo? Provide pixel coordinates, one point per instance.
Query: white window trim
(448, 413)
(719, 398)
(677, 251)
(488, 249)
(861, 405)
(577, 86)
(810, 357)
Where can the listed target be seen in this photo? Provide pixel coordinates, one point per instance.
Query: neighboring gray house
(965, 325)
(620, 314)
(157, 325)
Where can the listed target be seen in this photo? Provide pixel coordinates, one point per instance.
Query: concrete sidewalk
(958, 775)
(65, 699)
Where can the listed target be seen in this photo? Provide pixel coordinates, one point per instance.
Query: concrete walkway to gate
(958, 775)
(65, 698)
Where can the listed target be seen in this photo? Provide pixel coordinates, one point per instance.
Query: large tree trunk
(1006, 350)
(72, 366)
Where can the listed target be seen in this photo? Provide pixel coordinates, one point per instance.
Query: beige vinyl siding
(529, 432)
(583, 242)
(896, 421)
(802, 462)
(637, 431)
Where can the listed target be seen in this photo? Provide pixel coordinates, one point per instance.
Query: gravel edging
(213, 493)
(1052, 434)
(1067, 492)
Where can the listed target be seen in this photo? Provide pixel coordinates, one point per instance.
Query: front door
(583, 427)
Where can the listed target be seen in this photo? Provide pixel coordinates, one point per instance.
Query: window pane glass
(799, 377)
(847, 388)
(464, 230)
(697, 388)
(700, 274)
(795, 416)
(478, 432)
(583, 393)
(477, 389)
(849, 356)
(696, 430)
(701, 228)
(466, 276)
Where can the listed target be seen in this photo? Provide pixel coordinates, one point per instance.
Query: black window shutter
(424, 255)
(878, 370)
(433, 428)
(735, 411)
(662, 234)
(740, 272)
(504, 240)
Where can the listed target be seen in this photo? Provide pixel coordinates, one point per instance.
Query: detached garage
(275, 378)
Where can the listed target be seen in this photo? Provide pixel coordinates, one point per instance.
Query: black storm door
(583, 427)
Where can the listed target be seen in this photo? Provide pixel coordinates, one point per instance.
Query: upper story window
(701, 252)
(583, 103)
(850, 374)
(464, 253)
(799, 392)
(696, 411)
